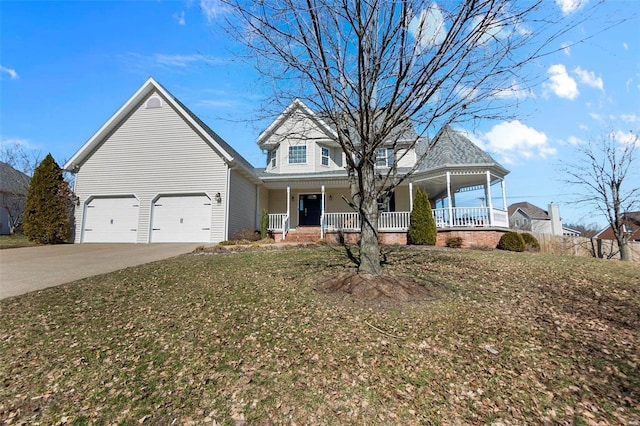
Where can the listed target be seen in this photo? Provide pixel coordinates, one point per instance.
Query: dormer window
(325, 156)
(298, 154)
(272, 157)
(384, 157)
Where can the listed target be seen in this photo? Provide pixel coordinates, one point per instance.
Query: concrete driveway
(33, 268)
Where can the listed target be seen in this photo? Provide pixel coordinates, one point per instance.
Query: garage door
(111, 220)
(181, 219)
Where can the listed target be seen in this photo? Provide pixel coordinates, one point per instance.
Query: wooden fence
(580, 246)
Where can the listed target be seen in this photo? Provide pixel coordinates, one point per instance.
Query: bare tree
(17, 166)
(605, 170)
(374, 68)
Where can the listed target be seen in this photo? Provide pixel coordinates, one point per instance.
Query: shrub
(264, 224)
(511, 241)
(245, 236)
(530, 242)
(454, 242)
(46, 214)
(422, 226)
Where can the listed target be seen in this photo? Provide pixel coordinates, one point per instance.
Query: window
(384, 157)
(298, 154)
(325, 156)
(271, 158)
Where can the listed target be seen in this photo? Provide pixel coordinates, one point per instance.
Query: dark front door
(309, 209)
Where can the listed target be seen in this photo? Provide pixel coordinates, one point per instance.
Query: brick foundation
(470, 237)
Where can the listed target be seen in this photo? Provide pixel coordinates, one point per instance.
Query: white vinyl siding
(153, 152)
(242, 204)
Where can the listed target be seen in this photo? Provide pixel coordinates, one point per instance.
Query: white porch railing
(463, 217)
(279, 222)
(341, 222)
(470, 217)
(394, 221)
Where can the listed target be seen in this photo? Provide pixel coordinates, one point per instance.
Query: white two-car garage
(181, 219)
(111, 220)
(174, 219)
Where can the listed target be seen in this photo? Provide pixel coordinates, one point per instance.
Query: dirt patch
(376, 288)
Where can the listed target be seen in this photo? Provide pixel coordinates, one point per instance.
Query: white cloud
(17, 142)
(573, 140)
(179, 18)
(512, 140)
(428, 28)
(630, 118)
(589, 78)
(514, 91)
(12, 73)
(181, 60)
(569, 6)
(566, 48)
(626, 137)
(596, 116)
(212, 9)
(625, 45)
(561, 83)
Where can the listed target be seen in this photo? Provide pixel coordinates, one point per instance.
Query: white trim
(226, 193)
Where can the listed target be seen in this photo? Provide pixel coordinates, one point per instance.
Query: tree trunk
(623, 248)
(369, 246)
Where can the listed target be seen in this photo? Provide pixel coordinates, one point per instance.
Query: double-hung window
(325, 156)
(298, 154)
(384, 157)
(273, 155)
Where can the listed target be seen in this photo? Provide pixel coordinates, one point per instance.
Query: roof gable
(228, 154)
(296, 106)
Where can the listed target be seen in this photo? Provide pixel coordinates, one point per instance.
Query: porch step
(304, 234)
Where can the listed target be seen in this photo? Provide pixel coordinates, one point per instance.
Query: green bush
(530, 242)
(454, 242)
(264, 224)
(422, 226)
(511, 241)
(46, 215)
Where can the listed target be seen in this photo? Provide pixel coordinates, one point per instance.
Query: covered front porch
(323, 207)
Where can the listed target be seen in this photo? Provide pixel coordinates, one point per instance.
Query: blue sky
(66, 67)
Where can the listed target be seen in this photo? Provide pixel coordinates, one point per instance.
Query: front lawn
(15, 241)
(243, 338)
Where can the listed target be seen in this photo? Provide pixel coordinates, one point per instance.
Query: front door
(309, 209)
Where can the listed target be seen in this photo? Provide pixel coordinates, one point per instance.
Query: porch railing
(470, 217)
(279, 222)
(349, 221)
(394, 221)
(399, 221)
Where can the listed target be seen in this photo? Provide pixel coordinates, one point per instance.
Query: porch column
(288, 202)
(322, 214)
(504, 195)
(450, 200)
(489, 202)
(410, 196)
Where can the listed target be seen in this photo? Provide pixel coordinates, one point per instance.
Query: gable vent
(154, 102)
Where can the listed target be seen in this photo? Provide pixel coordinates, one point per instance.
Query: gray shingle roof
(534, 212)
(452, 148)
(13, 181)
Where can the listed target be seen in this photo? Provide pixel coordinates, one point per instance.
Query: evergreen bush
(422, 226)
(511, 241)
(264, 224)
(46, 215)
(530, 242)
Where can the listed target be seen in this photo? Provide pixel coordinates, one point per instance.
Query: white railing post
(410, 196)
(449, 199)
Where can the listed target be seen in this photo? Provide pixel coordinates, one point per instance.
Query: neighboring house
(156, 173)
(527, 217)
(631, 224)
(13, 197)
